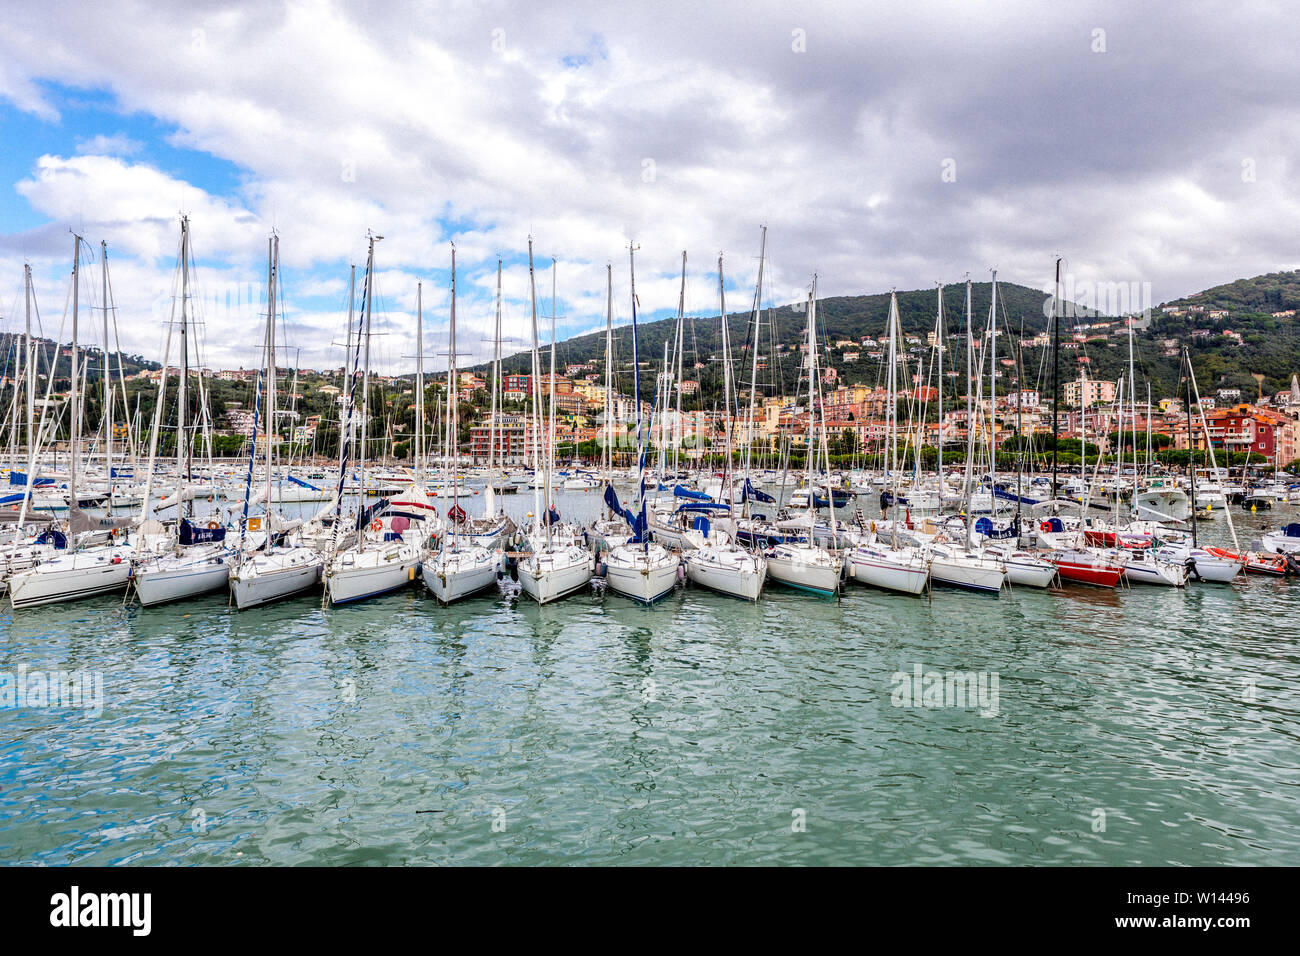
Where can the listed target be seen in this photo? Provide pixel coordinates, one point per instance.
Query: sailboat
(383, 552)
(81, 572)
(24, 552)
(495, 526)
(803, 564)
(720, 563)
(199, 561)
(961, 564)
(277, 570)
(638, 568)
(1218, 565)
(555, 564)
(893, 566)
(609, 530)
(460, 566)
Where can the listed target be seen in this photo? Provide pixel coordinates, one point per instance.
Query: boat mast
(367, 300)
(107, 413)
(1191, 445)
(419, 384)
(537, 400)
(452, 403)
(489, 495)
(753, 376)
(609, 374)
(182, 445)
(938, 347)
(1056, 370)
(636, 397)
(726, 390)
(74, 416)
(681, 316)
(550, 432)
(272, 291)
(993, 390)
(891, 418)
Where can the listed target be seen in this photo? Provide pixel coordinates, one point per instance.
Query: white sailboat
(72, 575)
(804, 564)
(891, 566)
(720, 564)
(961, 564)
(277, 570)
(199, 561)
(495, 526)
(609, 530)
(383, 553)
(556, 564)
(639, 569)
(459, 567)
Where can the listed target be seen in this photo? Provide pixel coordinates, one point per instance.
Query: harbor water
(1153, 726)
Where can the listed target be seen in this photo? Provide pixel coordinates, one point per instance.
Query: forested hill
(838, 318)
(131, 364)
(1274, 292)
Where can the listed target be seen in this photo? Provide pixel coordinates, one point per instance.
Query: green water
(701, 730)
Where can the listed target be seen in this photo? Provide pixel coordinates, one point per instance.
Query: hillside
(1228, 349)
(839, 318)
(1274, 292)
(130, 363)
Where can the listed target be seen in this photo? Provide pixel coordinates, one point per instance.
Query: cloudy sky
(884, 145)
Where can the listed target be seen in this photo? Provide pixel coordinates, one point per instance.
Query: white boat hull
(547, 577)
(816, 576)
(345, 582)
(745, 581)
(883, 572)
(162, 584)
(640, 579)
(269, 578)
(455, 575)
(70, 578)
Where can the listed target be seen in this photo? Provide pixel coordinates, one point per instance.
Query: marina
(680, 732)
(444, 442)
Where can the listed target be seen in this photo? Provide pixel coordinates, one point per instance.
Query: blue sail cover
(985, 527)
(704, 507)
(189, 534)
(53, 536)
(378, 508)
(680, 492)
(752, 492)
(19, 478)
(841, 499)
(303, 484)
(637, 522)
(1008, 496)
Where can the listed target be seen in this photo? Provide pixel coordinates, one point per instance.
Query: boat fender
(681, 574)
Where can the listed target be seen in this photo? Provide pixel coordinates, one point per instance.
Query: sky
(889, 145)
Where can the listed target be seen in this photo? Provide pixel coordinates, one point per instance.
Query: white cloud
(676, 125)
